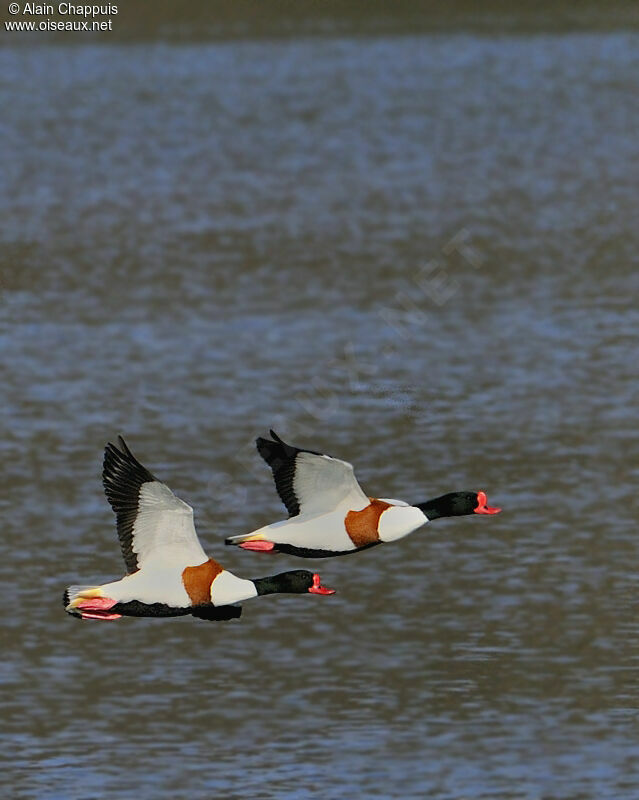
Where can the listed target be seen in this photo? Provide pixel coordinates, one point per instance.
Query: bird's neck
(435, 508)
(270, 585)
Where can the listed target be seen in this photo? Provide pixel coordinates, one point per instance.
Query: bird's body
(337, 532)
(169, 574)
(330, 515)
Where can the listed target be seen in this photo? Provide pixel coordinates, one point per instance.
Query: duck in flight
(329, 514)
(168, 572)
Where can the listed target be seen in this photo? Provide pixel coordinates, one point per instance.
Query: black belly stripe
(305, 552)
(134, 608)
(216, 613)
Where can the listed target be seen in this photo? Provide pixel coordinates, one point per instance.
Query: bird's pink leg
(259, 544)
(97, 607)
(96, 604)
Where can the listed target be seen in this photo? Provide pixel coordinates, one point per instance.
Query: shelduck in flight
(329, 514)
(169, 574)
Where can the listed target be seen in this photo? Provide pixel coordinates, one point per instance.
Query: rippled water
(416, 253)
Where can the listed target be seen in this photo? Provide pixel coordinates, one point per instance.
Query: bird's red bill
(317, 587)
(482, 508)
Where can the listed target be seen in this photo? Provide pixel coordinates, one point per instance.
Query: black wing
(281, 459)
(122, 476)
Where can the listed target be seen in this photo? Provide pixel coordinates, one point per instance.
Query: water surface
(416, 253)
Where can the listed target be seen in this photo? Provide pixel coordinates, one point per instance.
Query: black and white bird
(168, 572)
(329, 514)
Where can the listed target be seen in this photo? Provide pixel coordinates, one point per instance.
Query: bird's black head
(296, 581)
(457, 504)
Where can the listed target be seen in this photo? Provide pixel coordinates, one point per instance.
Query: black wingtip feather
(123, 476)
(280, 457)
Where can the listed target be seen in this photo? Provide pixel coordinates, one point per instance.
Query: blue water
(415, 253)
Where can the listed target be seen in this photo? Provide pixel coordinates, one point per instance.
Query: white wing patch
(322, 484)
(164, 530)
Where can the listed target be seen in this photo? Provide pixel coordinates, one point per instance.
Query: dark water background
(418, 253)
